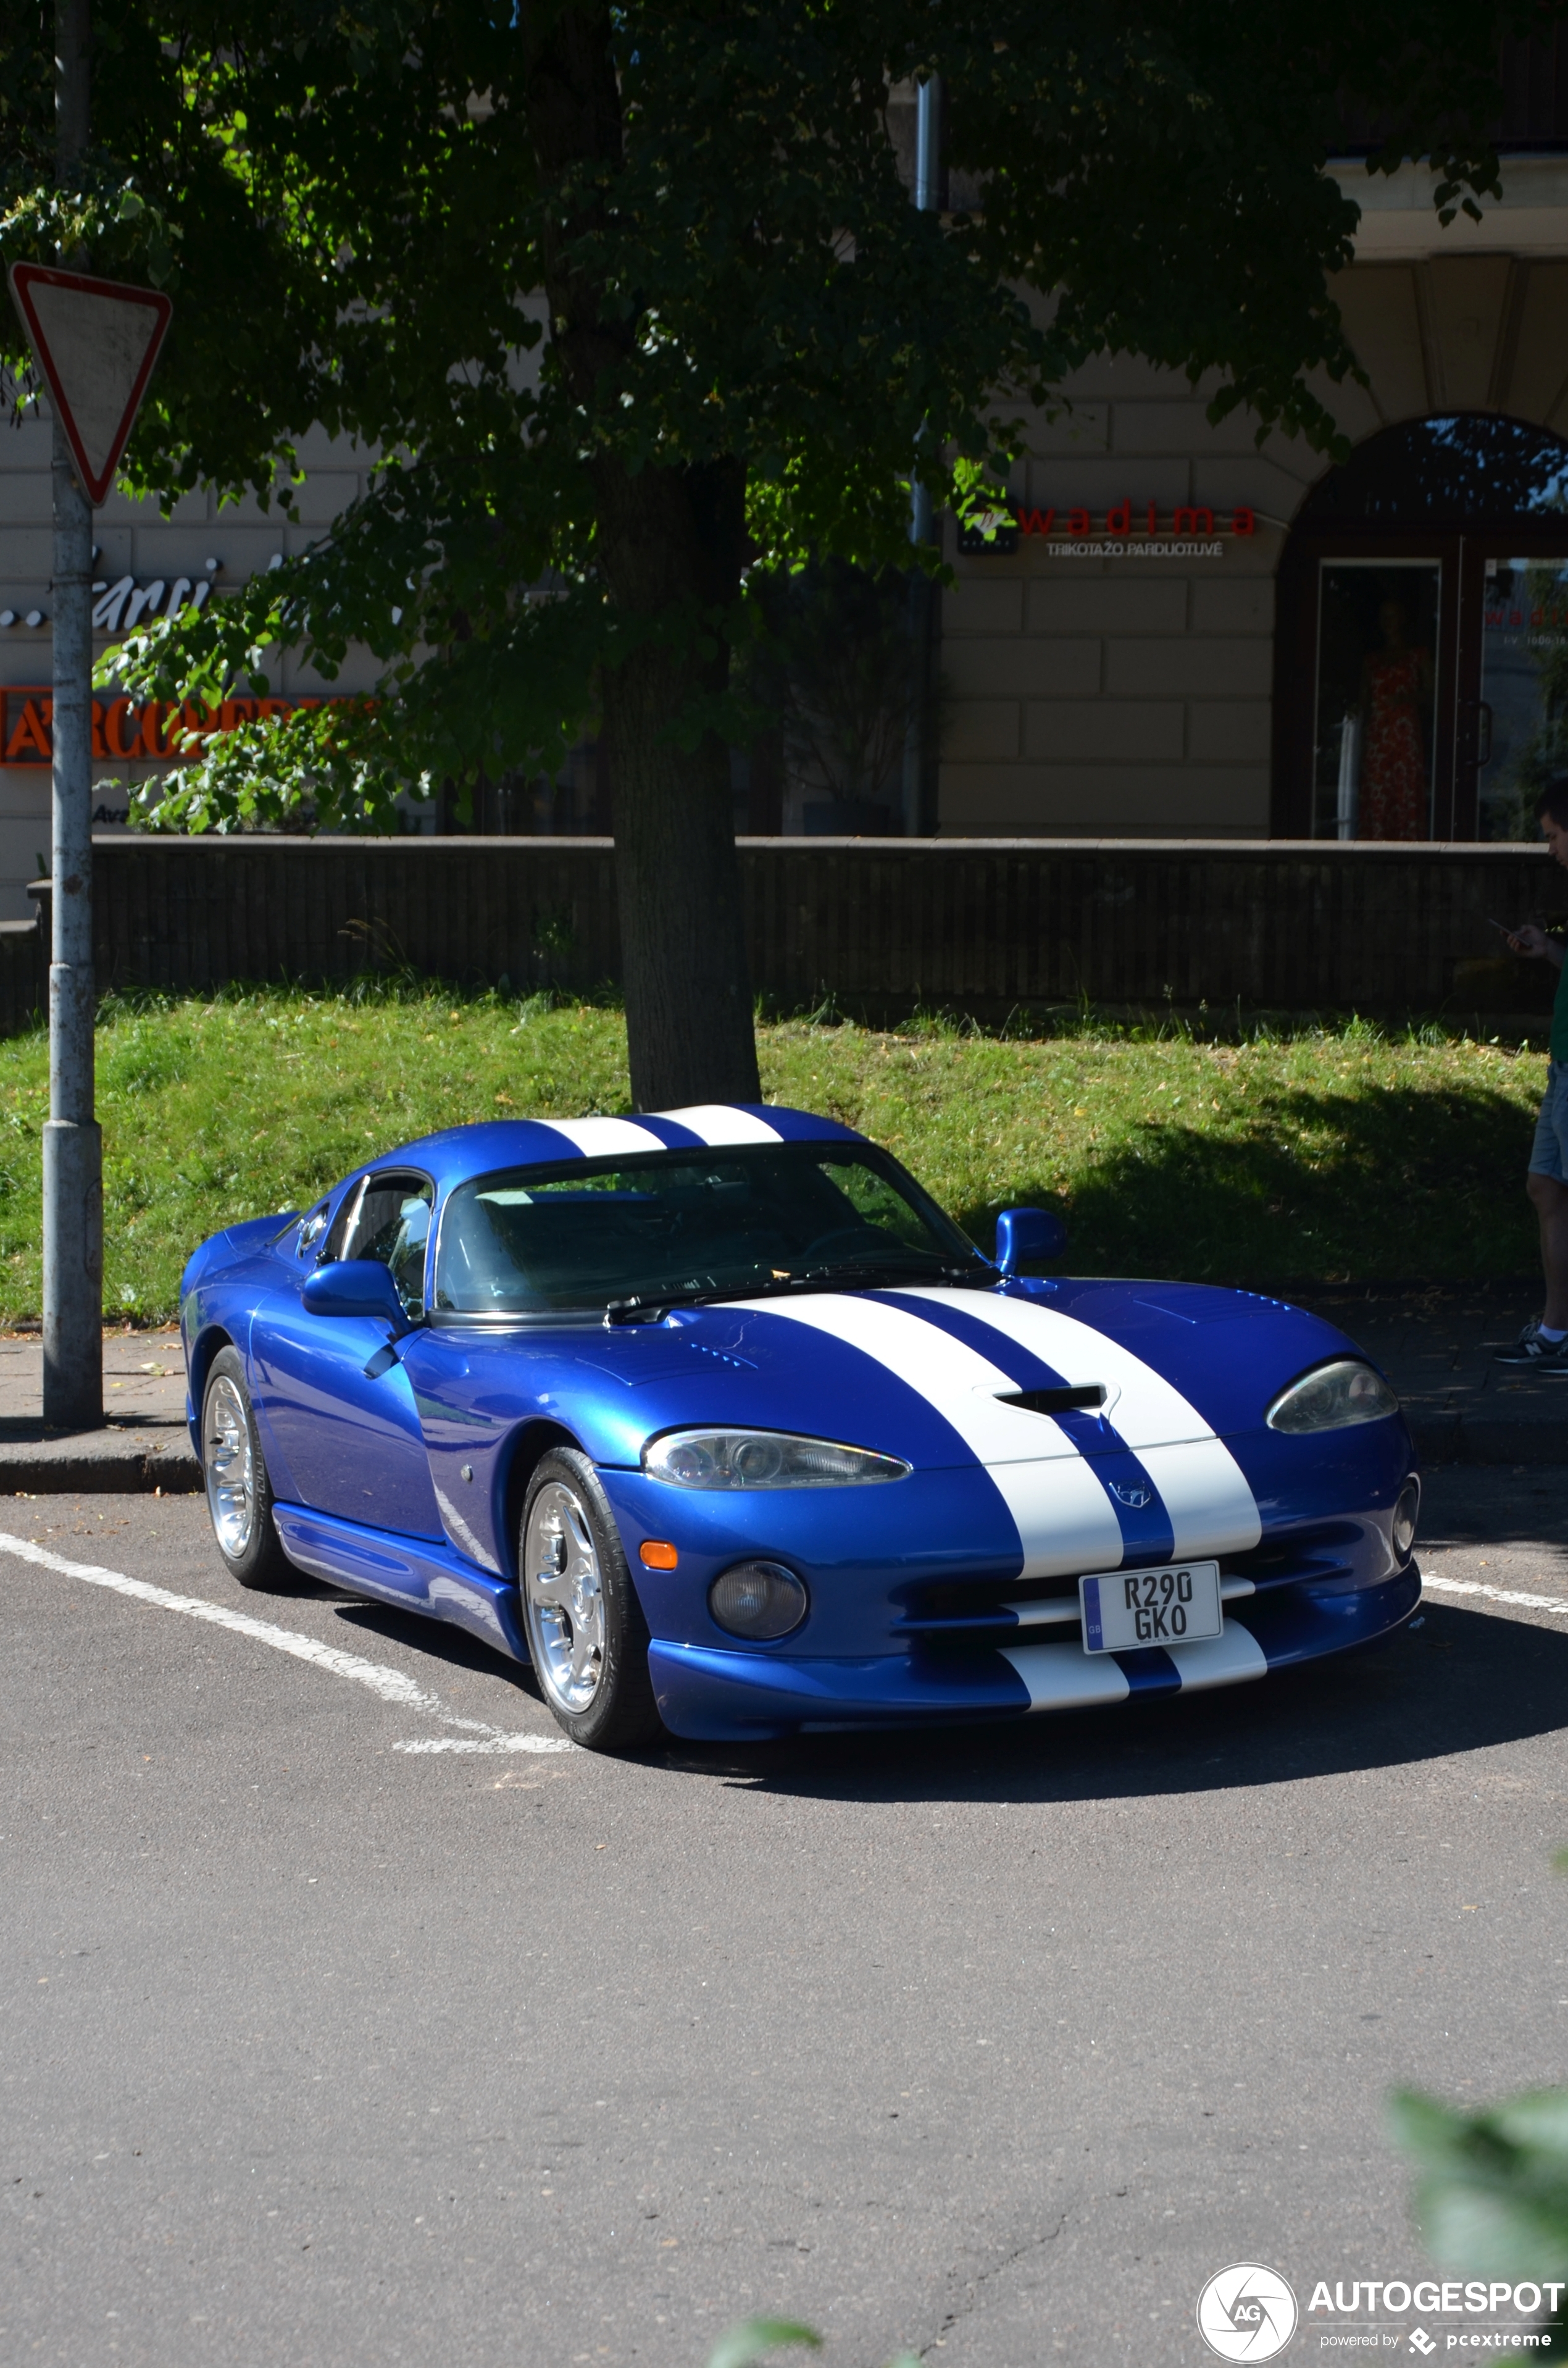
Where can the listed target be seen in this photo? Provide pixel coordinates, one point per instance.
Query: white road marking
(1495, 1594)
(391, 1685)
(488, 1743)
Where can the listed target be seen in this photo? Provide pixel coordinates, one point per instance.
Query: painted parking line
(1493, 1594)
(393, 1685)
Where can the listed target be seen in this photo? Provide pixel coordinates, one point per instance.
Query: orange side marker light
(658, 1553)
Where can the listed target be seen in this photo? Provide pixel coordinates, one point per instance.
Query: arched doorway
(1421, 649)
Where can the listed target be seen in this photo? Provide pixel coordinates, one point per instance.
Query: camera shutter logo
(1246, 2312)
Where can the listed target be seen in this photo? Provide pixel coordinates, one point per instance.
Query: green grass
(1323, 1156)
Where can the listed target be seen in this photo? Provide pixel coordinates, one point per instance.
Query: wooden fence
(881, 926)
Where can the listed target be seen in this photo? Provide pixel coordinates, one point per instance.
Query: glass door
(1522, 718)
(1375, 738)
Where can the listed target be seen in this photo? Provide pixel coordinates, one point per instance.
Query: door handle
(1484, 733)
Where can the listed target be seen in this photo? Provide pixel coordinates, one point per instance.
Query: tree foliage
(633, 304)
(353, 208)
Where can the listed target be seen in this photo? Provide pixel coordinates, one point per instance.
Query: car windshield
(682, 1223)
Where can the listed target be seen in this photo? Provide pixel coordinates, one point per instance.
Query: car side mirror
(1028, 1233)
(354, 1287)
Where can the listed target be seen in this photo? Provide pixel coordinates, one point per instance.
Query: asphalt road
(994, 2044)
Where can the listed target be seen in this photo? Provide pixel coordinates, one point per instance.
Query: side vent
(1087, 1400)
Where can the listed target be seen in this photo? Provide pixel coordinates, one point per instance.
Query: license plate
(1126, 1609)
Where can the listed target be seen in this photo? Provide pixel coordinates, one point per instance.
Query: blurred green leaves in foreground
(1492, 2187)
(743, 2345)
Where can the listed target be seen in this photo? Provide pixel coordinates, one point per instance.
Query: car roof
(462, 1151)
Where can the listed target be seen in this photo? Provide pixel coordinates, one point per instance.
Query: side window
(312, 1228)
(389, 1220)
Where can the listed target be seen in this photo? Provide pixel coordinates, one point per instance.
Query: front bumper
(711, 1694)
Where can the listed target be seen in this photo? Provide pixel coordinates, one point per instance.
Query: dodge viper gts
(717, 1420)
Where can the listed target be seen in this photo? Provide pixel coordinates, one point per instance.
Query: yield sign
(95, 343)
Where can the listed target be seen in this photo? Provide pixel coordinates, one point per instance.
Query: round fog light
(1405, 1514)
(758, 1601)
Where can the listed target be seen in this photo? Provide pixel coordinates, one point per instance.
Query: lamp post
(927, 200)
(72, 1151)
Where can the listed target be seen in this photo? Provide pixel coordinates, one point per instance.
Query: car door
(351, 1438)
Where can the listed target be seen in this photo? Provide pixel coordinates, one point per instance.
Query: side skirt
(413, 1573)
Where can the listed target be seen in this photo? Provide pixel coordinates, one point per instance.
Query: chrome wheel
(565, 1596)
(231, 1472)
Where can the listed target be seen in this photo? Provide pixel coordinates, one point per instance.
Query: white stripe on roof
(718, 1123)
(601, 1138)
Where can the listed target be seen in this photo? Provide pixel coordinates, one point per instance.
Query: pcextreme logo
(1246, 2312)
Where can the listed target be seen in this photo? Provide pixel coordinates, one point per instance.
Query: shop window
(1421, 678)
(1377, 700)
(1524, 690)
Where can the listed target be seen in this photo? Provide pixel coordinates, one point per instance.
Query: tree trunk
(670, 542)
(669, 547)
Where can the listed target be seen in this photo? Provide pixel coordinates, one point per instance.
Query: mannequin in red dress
(1396, 702)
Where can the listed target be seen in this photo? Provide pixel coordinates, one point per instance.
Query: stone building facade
(1149, 693)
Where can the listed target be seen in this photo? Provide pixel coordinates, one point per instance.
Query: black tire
(588, 1637)
(239, 1486)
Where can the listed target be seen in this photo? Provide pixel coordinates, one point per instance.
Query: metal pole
(72, 1155)
(927, 200)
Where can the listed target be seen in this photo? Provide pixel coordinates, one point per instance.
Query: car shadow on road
(434, 1640)
(1462, 1682)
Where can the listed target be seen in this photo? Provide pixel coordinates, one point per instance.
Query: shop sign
(1189, 531)
(130, 731)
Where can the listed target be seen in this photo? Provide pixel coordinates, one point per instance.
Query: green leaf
(744, 2342)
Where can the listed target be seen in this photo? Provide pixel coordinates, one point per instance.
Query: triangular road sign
(95, 343)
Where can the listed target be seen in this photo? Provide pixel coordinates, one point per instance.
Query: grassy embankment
(1317, 1157)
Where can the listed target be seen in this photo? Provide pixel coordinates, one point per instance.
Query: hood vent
(1086, 1400)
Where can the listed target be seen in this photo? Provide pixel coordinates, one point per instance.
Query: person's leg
(1549, 1198)
(1545, 1182)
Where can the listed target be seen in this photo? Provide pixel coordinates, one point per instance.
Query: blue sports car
(715, 1418)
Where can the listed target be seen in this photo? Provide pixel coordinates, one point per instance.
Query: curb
(67, 1469)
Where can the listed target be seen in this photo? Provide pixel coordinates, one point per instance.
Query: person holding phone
(1542, 1346)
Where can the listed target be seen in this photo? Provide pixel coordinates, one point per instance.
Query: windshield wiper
(647, 1306)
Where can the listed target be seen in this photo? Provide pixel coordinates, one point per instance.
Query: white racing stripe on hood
(717, 1123)
(1212, 1510)
(1205, 1491)
(601, 1138)
(1064, 1517)
(1149, 1411)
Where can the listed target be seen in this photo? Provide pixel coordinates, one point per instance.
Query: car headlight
(1333, 1398)
(1404, 1518)
(763, 1459)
